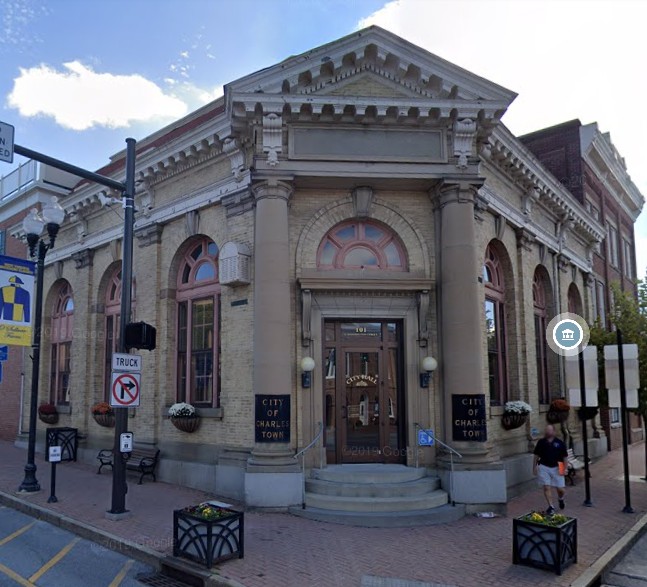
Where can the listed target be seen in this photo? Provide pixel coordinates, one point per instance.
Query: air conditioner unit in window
(234, 264)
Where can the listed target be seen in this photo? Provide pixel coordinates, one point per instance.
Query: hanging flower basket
(48, 413)
(48, 418)
(587, 413)
(105, 420)
(186, 423)
(512, 420)
(553, 417)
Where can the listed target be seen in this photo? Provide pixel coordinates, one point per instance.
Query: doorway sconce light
(429, 365)
(307, 366)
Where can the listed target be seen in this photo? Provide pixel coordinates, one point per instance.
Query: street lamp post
(51, 217)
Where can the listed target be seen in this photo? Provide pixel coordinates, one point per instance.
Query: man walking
(550, 452)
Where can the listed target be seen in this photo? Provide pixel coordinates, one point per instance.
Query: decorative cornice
(273, 189)
(511, 156)
(464, 133)
(272, 137)
(232, 147)
(83, 258)
(525, 239)
(149, 235)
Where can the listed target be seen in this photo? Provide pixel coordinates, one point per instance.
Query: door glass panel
(391, 399)
(362, 406)
(330, 373)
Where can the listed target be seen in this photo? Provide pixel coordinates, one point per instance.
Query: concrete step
(426, 501)
(368, 473)
(407, 488)
(445, 514)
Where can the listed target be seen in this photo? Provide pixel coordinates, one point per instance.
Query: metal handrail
(451, 452)
(302, 454)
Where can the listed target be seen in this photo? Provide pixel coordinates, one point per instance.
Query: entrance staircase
(376, 495)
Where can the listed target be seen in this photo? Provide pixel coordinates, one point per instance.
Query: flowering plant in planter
(517, 407)
(47, 410)
(48, 413)
(544, 541)
(515, 414)
(182, 410)
(101, 409)
(184, 417)
(207, 511)
(559, 405)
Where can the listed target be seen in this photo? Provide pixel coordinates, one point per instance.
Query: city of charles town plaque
(469, 420)
(272, 418)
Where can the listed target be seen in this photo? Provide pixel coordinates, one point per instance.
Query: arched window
(62, 329)
(574, 300)
(198, 331)
(495, 327)
(113, 315)
(539, 287)
(361, 245)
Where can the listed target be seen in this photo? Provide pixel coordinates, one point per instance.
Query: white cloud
(79, 98)
(566, 59)
(193, 95)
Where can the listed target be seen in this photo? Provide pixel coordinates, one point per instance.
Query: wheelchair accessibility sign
(425, 437)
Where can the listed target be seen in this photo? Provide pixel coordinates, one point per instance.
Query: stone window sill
(496, 411)
(543, 408)
(64, 409)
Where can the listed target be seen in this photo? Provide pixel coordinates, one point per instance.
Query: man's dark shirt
(550, 453)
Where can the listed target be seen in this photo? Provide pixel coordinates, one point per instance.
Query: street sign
(0, 372)
(425, 437)
(55, 453)
(4, 353)
(125, 390)
(126, 442)
(6, 142)
(126, 363)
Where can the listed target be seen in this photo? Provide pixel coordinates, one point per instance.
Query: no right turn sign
(6, 142)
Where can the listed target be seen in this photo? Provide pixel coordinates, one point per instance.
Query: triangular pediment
(368, 62)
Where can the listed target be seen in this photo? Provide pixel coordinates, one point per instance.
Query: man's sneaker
(550, 511)
(562, 505)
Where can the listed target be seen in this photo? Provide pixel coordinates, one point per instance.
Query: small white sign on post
(126, 362)
(126, 442)
(54, 454)
(6, 142)
(591, 378)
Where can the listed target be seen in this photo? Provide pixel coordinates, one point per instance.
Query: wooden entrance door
(364, 407)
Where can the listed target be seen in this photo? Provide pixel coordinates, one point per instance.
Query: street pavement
(631, 571)
(35, 553)
(281, 549)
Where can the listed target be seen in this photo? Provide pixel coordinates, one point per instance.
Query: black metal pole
(30, 483)
(52, 486)
(623, 419)
(119, 487)
(585, 435)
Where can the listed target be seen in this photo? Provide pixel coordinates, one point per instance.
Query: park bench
(142, 460)
(574, 465)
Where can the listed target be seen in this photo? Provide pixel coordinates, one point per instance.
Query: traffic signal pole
(119, 487)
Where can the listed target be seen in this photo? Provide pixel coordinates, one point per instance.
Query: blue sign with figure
(425, 437)
(4, 353)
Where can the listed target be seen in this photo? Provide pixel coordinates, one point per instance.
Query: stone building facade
(361, 205)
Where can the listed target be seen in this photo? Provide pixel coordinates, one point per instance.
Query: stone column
(479, 478)
(272, 478)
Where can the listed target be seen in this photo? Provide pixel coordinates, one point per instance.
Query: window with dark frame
(495, 328)
(198, 334)
(61, 345)
(541, 346)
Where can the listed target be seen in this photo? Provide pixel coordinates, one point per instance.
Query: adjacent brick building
(587, 163)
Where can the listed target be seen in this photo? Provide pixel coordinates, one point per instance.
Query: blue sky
(79, 76)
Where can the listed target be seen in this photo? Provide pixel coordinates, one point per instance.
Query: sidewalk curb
(107, 540)
(612, 555)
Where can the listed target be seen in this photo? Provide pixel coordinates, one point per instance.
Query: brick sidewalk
(284, 550)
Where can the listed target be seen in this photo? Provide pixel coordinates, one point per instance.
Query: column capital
(273, 189)
(83, 258)
(459, 190)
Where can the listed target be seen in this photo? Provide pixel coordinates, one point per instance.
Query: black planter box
(546, 547)
(208, 542)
